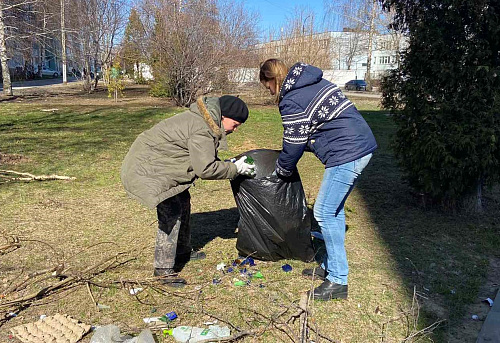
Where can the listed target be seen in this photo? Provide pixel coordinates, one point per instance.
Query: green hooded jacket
(166, 159)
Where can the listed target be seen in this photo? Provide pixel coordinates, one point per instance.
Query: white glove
(245, 168)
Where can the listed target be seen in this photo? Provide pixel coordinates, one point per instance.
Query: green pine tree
(133, 46)
(446, 98)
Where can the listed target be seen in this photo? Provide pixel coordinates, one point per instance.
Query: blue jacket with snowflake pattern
(317, 117)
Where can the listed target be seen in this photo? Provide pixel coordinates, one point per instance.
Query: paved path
(490, 332)
(38, 83)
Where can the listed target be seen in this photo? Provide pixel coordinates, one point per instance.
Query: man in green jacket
(165, 160)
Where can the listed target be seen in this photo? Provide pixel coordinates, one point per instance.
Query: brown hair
(274, 69)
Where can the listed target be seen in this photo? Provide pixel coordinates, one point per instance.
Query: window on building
(385, 59)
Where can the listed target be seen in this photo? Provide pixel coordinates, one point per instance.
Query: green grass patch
(393, 244)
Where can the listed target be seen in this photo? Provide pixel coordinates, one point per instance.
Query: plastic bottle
(190, 334)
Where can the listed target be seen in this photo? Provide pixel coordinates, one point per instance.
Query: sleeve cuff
(280, 170)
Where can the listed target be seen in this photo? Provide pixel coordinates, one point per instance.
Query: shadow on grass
(75, 131)
(444, 256)
(207, 226)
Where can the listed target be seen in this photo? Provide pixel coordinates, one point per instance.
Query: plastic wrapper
(275, 222)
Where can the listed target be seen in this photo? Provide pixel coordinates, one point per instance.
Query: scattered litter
(195, 334)
(489, 301)
(475, 317)
(221, 266)
(43, 316)
(11, 314)
(111, 333)
(151, 320)
(229, 270)
(286, 268)
(134, 291)
(60, 328)
(211, 323)
(453, 291)
(257, 275)
(359, 305)
(248, 260)
(50, 110)
(171, 315)
(102, 306)
(216, 281)
(240, 283)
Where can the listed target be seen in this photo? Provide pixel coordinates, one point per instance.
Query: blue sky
(273, 13)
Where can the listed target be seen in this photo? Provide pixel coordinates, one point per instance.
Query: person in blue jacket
(318, 117)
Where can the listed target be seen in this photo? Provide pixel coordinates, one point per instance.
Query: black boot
(317, 273)
(330, 290)
(169, 277)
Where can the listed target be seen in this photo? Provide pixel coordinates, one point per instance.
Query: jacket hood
(300, 75)
(209, 109)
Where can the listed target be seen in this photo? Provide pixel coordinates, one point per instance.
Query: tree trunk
(63, 44)
(42, 46)
(474, 202)
(368, 76)
(7, 85)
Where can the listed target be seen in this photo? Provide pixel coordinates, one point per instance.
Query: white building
(343, 55)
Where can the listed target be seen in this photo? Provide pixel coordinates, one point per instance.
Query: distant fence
(251, 75)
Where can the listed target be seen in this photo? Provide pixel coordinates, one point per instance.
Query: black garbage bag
(274, 220)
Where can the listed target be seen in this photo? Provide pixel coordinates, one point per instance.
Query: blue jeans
(337, 184)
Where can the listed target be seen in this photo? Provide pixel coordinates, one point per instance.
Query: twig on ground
(12, 175)
(303, 317)
(84, 276)
(91, 295)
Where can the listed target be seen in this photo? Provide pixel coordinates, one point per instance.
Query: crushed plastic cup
(171, 315)
(168, 317)
(240, 283)
(286, 268)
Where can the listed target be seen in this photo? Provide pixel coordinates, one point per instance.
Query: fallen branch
(303, 317)
(82, 277)
(12, 175)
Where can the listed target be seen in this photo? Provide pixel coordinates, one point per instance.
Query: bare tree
(63, 42)
(96, 25)
(7, 86)
(17, 25)
(194, 42)
(300, 39)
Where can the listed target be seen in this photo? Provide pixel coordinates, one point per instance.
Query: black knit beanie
(234, 108)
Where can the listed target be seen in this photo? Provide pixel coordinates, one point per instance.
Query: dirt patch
(73, 93)
(12, 159)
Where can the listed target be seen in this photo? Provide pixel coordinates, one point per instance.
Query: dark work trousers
(174, 232)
